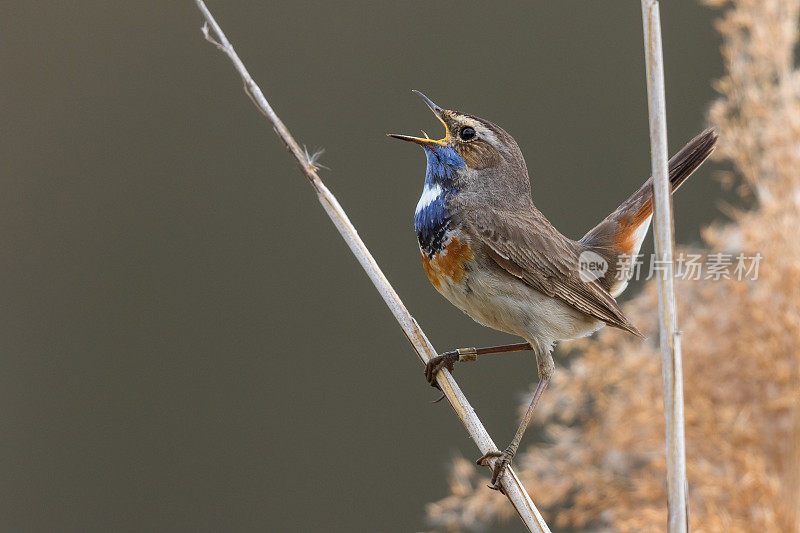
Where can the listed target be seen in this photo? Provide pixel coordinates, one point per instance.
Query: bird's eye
(467, 133)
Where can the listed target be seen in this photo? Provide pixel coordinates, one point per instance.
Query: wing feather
(528, 247)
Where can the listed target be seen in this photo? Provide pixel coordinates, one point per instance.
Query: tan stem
(672, 368)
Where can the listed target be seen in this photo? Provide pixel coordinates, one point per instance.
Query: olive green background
(187, 344)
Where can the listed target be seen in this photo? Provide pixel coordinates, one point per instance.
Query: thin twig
(672, 371)
(512, 486)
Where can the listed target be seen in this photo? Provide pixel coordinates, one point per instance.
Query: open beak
(426, 141)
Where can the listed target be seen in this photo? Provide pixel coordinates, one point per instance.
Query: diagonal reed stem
(512, 486)
(672, 367)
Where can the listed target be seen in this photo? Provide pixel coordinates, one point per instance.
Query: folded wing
(528, 247)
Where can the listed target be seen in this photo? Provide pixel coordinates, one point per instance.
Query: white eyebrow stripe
(488, 135)
(429, 194)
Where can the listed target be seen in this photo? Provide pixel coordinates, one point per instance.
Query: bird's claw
(435, 364)
(504, 459)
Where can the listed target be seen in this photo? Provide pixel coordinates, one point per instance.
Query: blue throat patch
(431, 222)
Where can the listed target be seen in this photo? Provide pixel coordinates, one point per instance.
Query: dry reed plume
(602, 467)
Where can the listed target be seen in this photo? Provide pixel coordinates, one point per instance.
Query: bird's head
(475, 154)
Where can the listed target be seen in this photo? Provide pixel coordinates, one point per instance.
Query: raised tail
(624, 230)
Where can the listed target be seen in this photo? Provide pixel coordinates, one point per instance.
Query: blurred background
(187, 344)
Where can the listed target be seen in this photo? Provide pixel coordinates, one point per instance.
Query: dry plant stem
(514, 490)
(662, 229)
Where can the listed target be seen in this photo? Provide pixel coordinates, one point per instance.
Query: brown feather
(528, 247)
(478, 154)
(617, 234)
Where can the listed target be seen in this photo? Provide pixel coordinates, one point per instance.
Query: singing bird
(488, 250)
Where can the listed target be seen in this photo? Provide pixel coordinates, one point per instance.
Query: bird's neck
(432, 215)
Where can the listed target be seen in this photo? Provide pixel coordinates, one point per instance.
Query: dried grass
(603, 466)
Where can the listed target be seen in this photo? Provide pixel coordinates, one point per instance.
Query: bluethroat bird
(488, 250)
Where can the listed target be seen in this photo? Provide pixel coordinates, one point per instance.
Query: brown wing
(528, 247)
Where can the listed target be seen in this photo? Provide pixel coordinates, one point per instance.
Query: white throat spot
(429, 194)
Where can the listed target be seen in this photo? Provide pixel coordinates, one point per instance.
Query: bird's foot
(504, 459)
(435, 364)
(447, 360)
